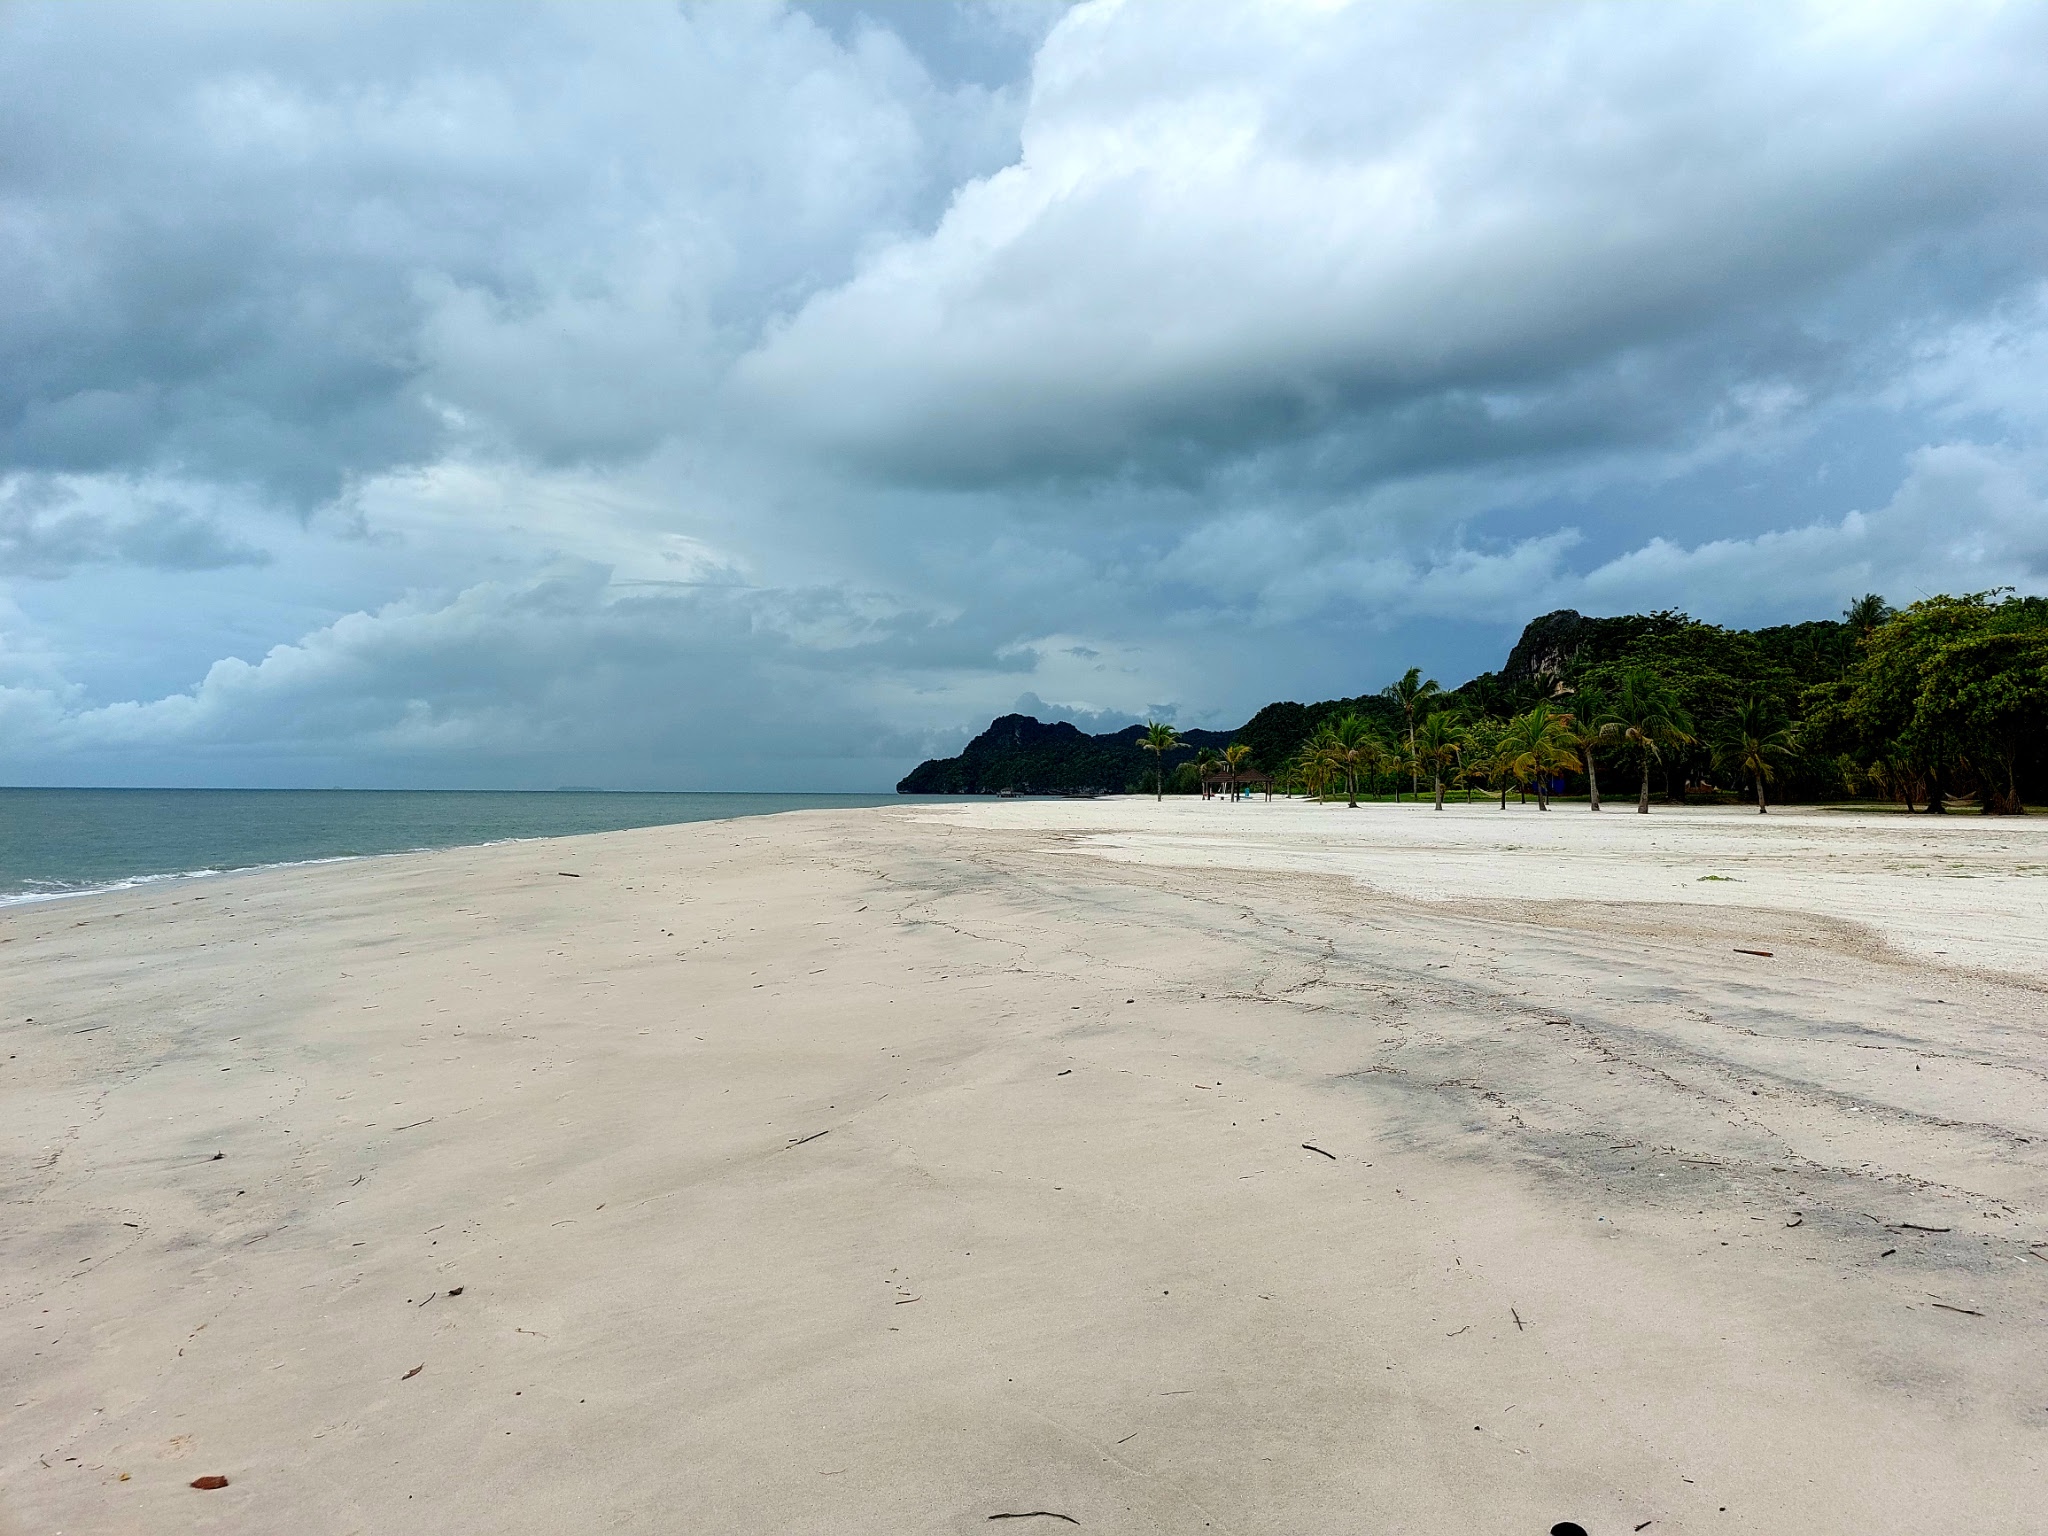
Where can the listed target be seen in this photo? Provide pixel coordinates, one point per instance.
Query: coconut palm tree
(1314, 768)
(1438, 741)
(1235, 756)
(1646, 715)
(1400, 759)
(1159, 739)
(1356, 745)
(1475, 763)
(1411, 693)
(1400, 763)
(1895, 778)
(1866, 613)
(1754, 744)
(1324, 760)
(1349, 746)
(1588, 707)
(1500, 763)
(1537, 745)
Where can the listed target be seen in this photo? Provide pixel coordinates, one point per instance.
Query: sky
(759, 396)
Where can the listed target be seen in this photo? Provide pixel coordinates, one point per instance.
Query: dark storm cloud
(1437, 237)
(296, 244)
(527, 386)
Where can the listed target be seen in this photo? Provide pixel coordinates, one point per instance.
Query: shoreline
(146, 877)
(157, 877)
(137, 882)
(898, 1169)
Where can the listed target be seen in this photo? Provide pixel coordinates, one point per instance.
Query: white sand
(1621, 1224)
(1891, 873)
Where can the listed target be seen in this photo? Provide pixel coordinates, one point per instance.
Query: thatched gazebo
(1229, 783)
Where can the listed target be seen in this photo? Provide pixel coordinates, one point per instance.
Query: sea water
(62, 842)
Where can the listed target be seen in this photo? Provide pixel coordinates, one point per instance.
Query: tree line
(1940, 704)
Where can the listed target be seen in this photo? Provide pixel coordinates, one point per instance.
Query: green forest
(1937, 706)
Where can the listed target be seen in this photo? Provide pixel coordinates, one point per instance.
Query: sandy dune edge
(893, 1170)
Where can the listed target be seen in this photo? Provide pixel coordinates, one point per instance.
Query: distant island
(1940, 704)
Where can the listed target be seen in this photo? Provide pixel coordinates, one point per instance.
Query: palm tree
(1400, 759)
(1754, 744)
(1538, 744)
(1323, 759)
(1894, 775)
(1410, 693)
(1235, 757)
(1159, 739)
(1347, 746)
(1500, 763)
(1589, 707)
(1355, 746)
(1386, 757)
(1866, 613)
(1438, 743)
(1476, 763)
(1315, 769)
(1646, 715)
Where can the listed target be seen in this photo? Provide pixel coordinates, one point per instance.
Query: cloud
(1268, 568)
(1094, 722)
(1439, 236)
(1965, 518)
(515, 683)
(315, 242)
(577, 675)
(52, 525)
(742, 394)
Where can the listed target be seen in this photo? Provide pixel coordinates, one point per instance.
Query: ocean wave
(30, 891)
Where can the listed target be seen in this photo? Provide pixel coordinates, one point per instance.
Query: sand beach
(1111, 1165)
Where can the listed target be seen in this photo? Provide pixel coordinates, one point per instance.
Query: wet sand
(1245, 1168)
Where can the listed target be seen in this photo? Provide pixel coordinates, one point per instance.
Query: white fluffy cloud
(642, 393)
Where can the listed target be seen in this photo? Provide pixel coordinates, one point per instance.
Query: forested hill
(1854, 703)
(1031, 757)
